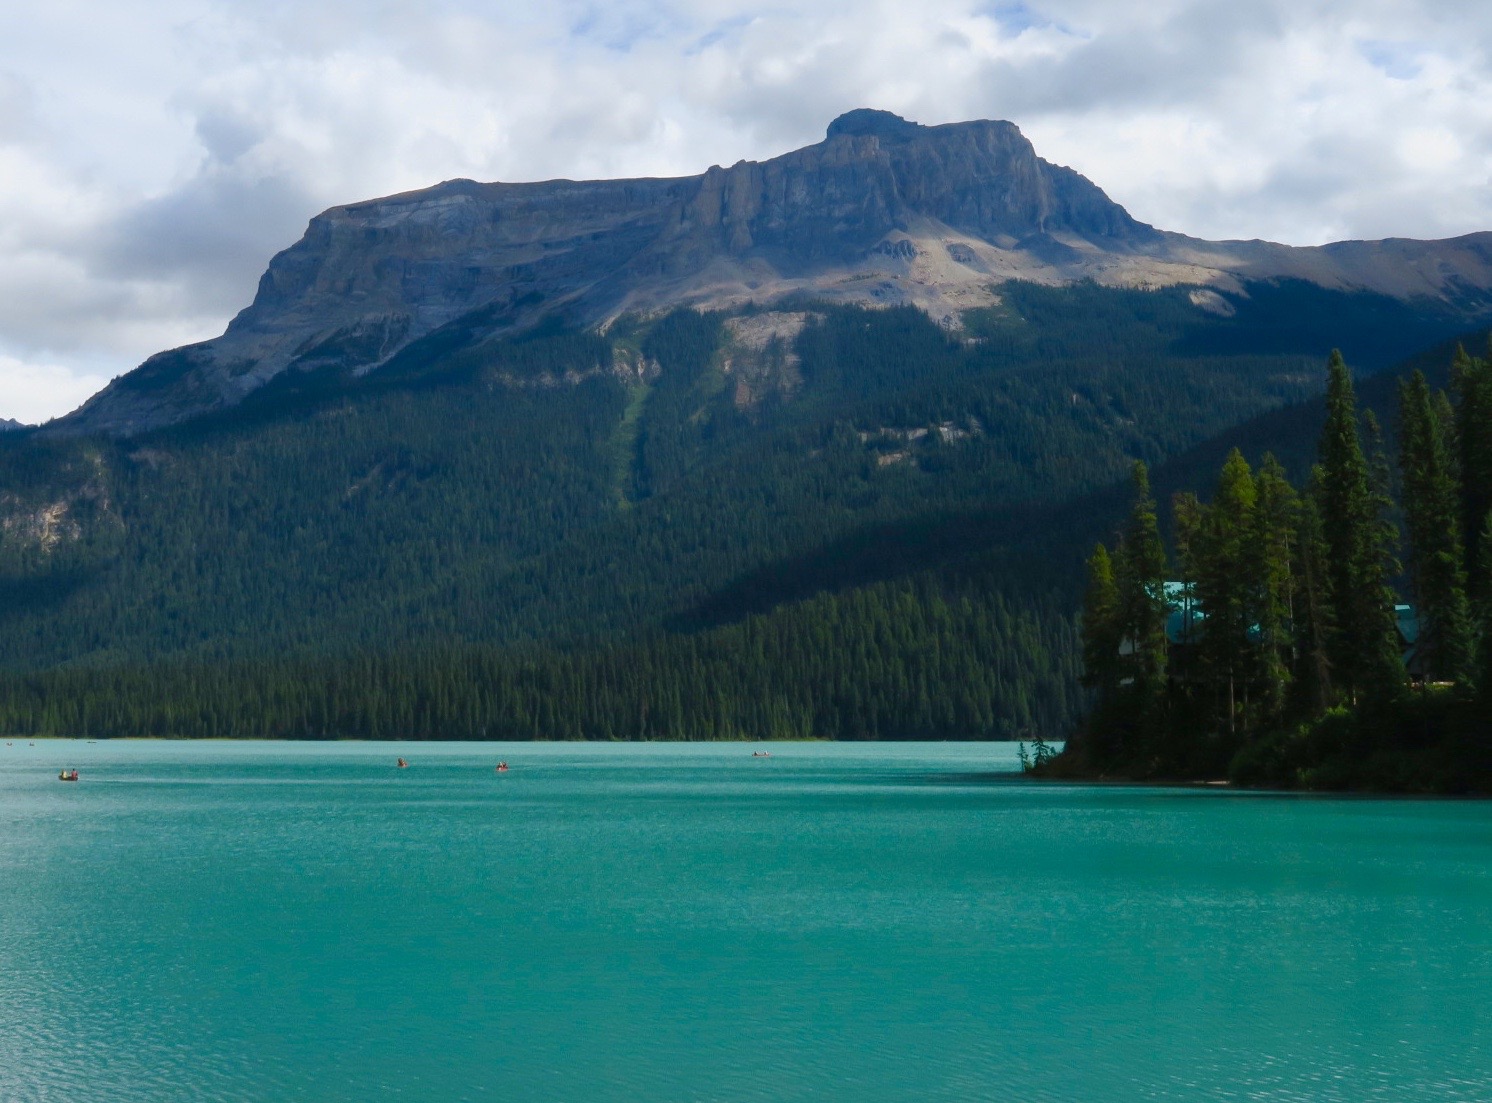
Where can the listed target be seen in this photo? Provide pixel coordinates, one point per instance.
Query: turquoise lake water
(269, 921)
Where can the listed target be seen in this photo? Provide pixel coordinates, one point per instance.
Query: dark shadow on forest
(1291, 433)
(1044, 544)
(1040, 544)
(1375, 332)
(20, 595)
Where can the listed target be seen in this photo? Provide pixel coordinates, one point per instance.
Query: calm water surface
(686, 923)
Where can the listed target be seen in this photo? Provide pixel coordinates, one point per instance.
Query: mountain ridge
(882, 212)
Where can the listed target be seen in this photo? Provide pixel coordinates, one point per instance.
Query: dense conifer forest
(872, 529)
(880, 662)
(1272, 644)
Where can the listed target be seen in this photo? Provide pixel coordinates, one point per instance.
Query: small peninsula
(1271, 646)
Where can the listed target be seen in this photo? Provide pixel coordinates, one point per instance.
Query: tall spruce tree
(1187, 514)
(1101, 630)
(1385, 530)
(1226, 586)
(1273, 551)
(1137, 730)
(1140, 575)
(1482, 612)
(1432, 511)
(1364, 645)
(1102, 636)
(1471, 380)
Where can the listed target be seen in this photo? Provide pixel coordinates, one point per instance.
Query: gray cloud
(156, 158)
(207, 235)
(17, 109)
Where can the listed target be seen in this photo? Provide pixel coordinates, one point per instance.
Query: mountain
(9, 423)
(882, 212)
(475, 464)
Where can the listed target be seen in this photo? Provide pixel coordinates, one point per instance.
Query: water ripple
(866, 923)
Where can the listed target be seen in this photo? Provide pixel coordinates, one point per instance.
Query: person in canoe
(761, 754)
(502, 767)
(68, 775)
(402, 764)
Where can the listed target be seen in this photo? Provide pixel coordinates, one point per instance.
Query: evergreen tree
(1387, 659)
(1187, 513)
(1363, 648)
(1432, 513)
(1482, 611)
(1101, 631)
(1226, 586)
(1140, 575)
(1102, 636)
(1471, 379)
(1272, 551)
(1135, 729)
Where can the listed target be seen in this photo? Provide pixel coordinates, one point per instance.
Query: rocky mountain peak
(883, 211)
(868, 122)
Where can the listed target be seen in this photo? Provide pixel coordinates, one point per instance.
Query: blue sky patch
(1399, 60)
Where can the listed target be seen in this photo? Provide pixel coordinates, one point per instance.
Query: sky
(154, 157)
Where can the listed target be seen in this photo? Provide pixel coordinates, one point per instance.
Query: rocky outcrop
(9, 423)
(883, 210)
(57, 512)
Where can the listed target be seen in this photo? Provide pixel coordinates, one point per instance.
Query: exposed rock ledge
(883, 211)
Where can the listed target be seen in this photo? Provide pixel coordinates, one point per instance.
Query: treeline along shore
(922, 658)
(1270, 643)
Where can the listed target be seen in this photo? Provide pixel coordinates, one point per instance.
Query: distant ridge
(883, 211)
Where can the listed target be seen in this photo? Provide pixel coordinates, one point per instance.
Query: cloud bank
(155, 158)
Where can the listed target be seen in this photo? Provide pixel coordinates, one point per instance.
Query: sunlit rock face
(882, 211)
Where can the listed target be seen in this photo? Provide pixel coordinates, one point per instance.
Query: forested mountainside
(811, 520)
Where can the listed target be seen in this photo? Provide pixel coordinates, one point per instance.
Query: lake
(687, 923)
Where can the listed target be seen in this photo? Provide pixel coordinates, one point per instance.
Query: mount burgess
(476, 464)
(883, 212)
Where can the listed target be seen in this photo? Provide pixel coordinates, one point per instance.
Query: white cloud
(155, 157)
(37, 392)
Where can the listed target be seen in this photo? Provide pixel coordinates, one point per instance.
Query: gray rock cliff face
(881, 211)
